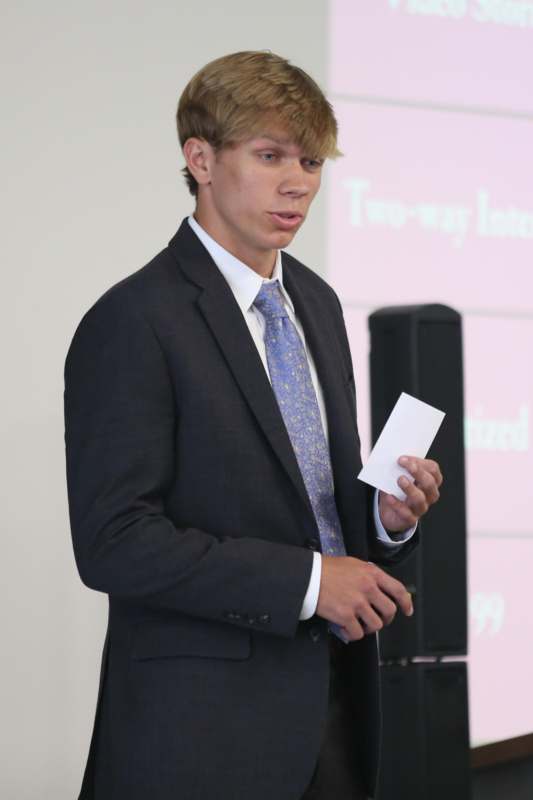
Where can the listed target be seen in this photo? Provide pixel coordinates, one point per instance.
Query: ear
(198, 156)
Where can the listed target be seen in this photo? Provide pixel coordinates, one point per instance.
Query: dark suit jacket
(188, 508)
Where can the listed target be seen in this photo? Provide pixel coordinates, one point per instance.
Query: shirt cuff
(382, 534)
(311, 596)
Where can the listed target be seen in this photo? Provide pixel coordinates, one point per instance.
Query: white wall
(91, 191)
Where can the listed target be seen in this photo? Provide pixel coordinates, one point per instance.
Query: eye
(313, 163)
(268, 157)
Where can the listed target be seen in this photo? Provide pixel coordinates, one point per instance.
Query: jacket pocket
(189, 637)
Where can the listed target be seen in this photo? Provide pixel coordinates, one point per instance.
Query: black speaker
(418, 350)
(425, 744)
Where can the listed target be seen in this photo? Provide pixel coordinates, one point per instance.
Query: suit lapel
(224, 317)
(342, 429)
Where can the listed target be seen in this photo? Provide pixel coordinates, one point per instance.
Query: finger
(415, 465)
(396, 591)
(427, 483)
(428, 465)
(410, 463)
(415, 498)
(370, 621)
(383, 606)
(402, 510)
(354, 629)
(432, 467)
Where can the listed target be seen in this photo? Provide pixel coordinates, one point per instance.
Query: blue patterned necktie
(296, 397)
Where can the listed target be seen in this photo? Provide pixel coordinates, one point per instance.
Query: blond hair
(230, 99)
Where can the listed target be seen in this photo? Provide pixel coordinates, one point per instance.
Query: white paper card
(409, 430)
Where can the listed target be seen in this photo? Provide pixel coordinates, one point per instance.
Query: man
(212, 449)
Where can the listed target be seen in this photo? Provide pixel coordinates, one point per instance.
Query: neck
(261, 261)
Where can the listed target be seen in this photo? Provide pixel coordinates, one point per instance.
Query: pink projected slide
(457, 52)
(433, 202)
(431, 206)
(500, 634)
(498, 406)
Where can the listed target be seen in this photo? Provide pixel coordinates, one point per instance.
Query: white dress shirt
(245, 284)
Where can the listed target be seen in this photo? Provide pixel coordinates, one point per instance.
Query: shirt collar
(244, 282)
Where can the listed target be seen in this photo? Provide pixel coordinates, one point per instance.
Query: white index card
(409, 430)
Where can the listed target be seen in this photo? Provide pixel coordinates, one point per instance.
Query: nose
(295, 181)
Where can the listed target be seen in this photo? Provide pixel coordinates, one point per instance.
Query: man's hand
(359, 596)
(397, 515)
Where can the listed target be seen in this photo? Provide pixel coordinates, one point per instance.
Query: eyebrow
(272, 138)
(280, 142)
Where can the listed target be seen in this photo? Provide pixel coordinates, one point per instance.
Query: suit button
(232, 615)
(312, 544)
(264, 619)
(314, 633)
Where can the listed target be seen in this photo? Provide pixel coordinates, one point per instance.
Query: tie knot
(269, 301)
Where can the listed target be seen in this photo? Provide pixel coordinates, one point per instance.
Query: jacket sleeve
(120, 416)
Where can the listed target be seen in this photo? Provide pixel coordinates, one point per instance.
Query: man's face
(258, 195)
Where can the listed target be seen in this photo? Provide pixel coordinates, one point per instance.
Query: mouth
(286, 220)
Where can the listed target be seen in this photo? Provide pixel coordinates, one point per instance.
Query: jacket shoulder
(129, 303)
(137, 290)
